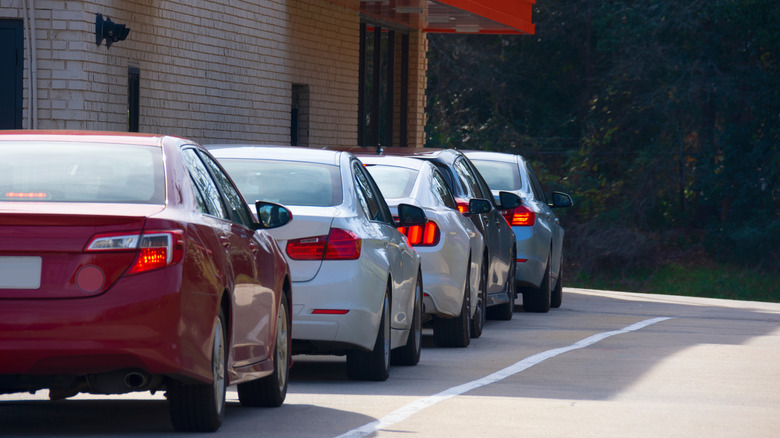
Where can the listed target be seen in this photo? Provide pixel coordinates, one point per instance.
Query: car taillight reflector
(422, 235)
(329, 312)
(337, 245)
(156, 249)
(520, 216)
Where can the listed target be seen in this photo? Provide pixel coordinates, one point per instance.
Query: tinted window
(441, 191)
(204, 184)
(237, 206)
(499, 175)
(286, 182)
(72, 172)
(537, 188)
(372, 197)
(468, 178)
(393, 182)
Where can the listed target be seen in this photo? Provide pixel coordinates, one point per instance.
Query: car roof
(85, 136)
(271, 152)
(493, 156)
(387, 160)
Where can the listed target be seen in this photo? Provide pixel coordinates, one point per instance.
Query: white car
(356, 280)
(450, 245)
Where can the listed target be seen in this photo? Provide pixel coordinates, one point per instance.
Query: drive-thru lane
(604, 364)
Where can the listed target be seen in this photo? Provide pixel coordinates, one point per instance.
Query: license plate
(20, 272)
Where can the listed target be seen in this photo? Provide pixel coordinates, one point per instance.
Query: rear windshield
(73, 172)
(393, 182)
(499, 175)
(286, 182)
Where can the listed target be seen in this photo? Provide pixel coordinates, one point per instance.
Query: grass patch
(711, 281)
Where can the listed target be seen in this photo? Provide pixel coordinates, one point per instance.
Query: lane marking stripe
(410, 409)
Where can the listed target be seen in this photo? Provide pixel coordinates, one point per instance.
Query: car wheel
(270, 391)
(557, 293)
(200, 407)
(480, 314)
(374, 364)
(409, 354)
(538, 300)
(454, 332)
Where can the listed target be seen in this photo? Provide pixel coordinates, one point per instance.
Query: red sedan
(130, 262)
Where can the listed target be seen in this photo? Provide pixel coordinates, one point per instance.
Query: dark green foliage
(661, 117)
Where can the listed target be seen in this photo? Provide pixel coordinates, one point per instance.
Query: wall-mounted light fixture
(109, 31)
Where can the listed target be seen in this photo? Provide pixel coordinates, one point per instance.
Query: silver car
(450, 245)
(356, 281)
(538, 233)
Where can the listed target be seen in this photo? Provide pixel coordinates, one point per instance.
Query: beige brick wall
(210, 70)
(213, 71)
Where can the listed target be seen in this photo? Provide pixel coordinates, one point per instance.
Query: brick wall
(213, 71)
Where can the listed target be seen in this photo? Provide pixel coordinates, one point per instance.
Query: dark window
(299, 116)
(441, 191)
(204, 184)
(382, 118)
(537, 188)
(239, 212)
(11, 73)
(133, 98)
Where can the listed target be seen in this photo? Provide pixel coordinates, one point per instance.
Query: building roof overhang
(450, 16)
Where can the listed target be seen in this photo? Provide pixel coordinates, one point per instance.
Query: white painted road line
(412, 408)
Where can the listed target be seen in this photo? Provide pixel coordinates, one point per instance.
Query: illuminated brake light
(337, 245)
(426, 235)
(520, 216)
(156, 249)
(463, 206)
(26, 195)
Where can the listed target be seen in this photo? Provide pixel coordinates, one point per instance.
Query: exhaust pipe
(136, 380)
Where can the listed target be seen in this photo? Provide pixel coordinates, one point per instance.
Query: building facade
(301, 72)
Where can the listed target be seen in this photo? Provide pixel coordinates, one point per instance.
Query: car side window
(441, 191)
(370, 198)
(209, 193)
(535, 186)
(483, 186)
(241, 214)
(466, 175)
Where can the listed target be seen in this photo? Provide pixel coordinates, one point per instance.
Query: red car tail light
(156, 249)
(463, 206)
(337, 245)
(520, 216)
(422, 235)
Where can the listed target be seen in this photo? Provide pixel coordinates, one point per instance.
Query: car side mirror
(271, 215)
(560, 200)
(409, 215)
(509, 200)
(479, 206)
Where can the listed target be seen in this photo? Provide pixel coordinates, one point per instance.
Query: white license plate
(20, 272)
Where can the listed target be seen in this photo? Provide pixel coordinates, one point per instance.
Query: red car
(130, 262)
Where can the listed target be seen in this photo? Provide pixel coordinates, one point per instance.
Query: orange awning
(444, 16)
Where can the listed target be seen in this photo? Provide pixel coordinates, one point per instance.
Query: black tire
(556, 299)
(375, 364)
(480, 314)
(454, 332)
(200, 407)
(409, 354)
(270, 391)
(539, 300)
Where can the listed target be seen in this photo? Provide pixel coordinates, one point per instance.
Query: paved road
(606, 364)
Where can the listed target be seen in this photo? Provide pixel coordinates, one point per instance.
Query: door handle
(225, 241)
